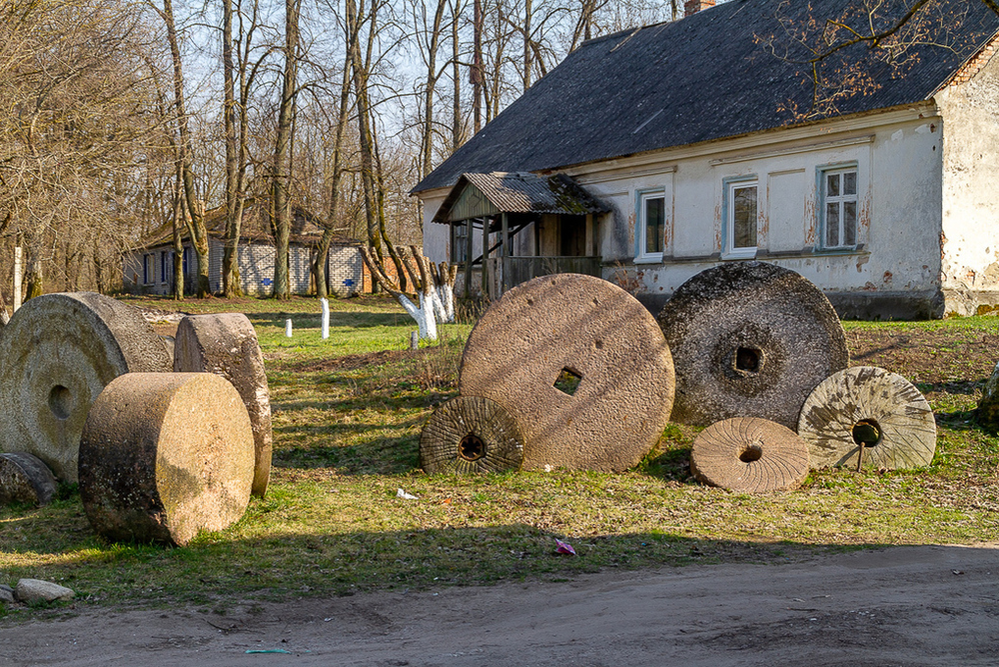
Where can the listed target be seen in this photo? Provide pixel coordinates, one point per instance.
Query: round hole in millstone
(61, 402)
(749, 455)
(516, 351)
(471, 434)
(844, 407)
(471, 448)
(867, 432)
(715, 323)
(748, 359)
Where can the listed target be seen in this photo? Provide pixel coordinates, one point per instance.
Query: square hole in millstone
(568, 381)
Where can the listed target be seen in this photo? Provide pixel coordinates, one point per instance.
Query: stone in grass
(7, 594)
(57, 354)
(749, 455)
(226, 344)
(33, 591)
(988, 406)
(25, 479)
(164, 456)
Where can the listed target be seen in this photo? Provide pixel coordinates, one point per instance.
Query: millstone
(57, 354)
(870, 405)
(25, 479)
(165, 455)
(226, 345)
(749, 339)
(471, 434)
(988, 406)
(749, 455)
(580, 365)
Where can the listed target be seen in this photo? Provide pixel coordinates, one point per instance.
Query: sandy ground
(898, 606)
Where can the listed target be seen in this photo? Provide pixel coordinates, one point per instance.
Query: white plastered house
(684, 133)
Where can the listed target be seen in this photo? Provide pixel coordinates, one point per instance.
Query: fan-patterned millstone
(869, 404)
(471, 434)
(749, 455)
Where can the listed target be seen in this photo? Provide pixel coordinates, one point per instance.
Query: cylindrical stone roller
(749, 455)
(749, 339)
(165, 455)
(580, 364)
(57, 354)
(25, 479)
(226, 344)
(870, 406)
(471, 434)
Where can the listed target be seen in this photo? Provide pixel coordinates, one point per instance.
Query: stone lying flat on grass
(471, 434)
(580, 364)
(988, 406)
(870, 405)
(165, 455)
(749, 339)
(226, 345)
(31, 591)
(25, 479)
(56, 355)
(749, 455)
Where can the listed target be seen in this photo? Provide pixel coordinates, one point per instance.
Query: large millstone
(25, 479)
(57, 354)
(226, 345)
(749, 339)
(165, 455)
(870, 406)
(581, 366)
(749, 455)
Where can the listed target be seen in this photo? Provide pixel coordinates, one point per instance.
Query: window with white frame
(651, 226)
(839, 208)
(740, 218)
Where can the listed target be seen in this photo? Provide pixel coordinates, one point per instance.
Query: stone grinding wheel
(749, 339)
(749, 455)
(165, 455)
(470, 434)
(870, 405)
(57, 354)
(580, 364)
(25, 479)
(226, 345)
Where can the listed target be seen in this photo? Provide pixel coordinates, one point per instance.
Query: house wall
(892, 272)
(970, 239)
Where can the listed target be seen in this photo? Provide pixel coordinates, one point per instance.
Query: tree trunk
(231, 286)
(283, 154)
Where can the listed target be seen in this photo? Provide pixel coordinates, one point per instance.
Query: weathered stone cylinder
(57, 354)
(226, 344)
(165, 455)
(25, 479)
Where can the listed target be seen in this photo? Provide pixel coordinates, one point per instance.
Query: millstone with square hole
(470, 434)
(226, 344)
(868, 413)
(581, 366)
(749, 339)
(749, 455)
(25, 479)
(57, 354)
(165, 455)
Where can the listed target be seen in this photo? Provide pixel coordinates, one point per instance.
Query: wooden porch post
(505, 255)
(485, 256)
(468, 259)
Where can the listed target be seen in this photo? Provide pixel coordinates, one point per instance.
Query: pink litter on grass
(564, 548)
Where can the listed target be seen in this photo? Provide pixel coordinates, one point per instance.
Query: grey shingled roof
(526, 193)
(700, 78)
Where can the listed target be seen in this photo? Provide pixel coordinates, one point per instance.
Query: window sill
(742, 253)
(649, 259)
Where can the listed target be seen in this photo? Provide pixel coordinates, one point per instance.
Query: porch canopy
(506, 203)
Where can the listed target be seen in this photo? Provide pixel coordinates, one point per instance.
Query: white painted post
(287, 327)
(414, 340)
(17, 278)
(326, 317)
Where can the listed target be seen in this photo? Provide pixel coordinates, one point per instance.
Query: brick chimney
(693, 6)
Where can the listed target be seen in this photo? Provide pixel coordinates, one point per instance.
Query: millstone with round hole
(25, 479)
(164, 456)
(749, 339)
(749, 455)
(57, 354)
(470, 434)
(868, 405)
(580, 364)
(226, 344)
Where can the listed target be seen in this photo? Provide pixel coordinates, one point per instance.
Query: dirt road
(906, 606)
